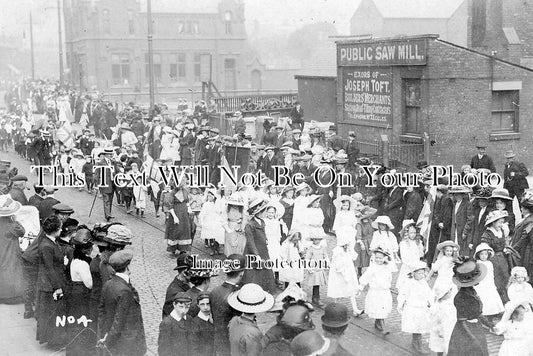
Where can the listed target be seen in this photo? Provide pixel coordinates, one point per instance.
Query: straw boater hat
(338, 202)
(8, 206)
(509, 154)
(257, 206)
(280, 210)
(312, 199)
(251, 299)
(468, 273)
(484, 247)
(500, 193)
(496, 215)
(383, 219)
(447, 243)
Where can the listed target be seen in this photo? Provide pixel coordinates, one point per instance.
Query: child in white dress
(486, 289)
(443, 317)
(342, 280)
(274, 228)
(411, 250)
(314, 218)
(290, 251)
(316, 277)
(345, 223)
(414, 303)
(211, 225)
(378, 278)
(517, 328)
(519, 288)
(300, 205)
(140, 193)
(443, 266)
(384, 238)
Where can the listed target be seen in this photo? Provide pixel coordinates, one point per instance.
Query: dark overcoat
(256, 245)
(222, 314)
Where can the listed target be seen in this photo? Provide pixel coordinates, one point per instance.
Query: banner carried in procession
(367, 96)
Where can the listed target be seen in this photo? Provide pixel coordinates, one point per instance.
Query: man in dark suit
(462, 218)
(37, 198)
(221, 312)
(120, 322)
(269, 162)
(352, 150)
(202, 340)
(482, 160)
(108, 188)
(45, 206)
(297, 116)
(481, 210)
(18, 188)
(441, 221)
(394, 208)
(180, 283)
(325, 176)
(515, 176)
(335, 141)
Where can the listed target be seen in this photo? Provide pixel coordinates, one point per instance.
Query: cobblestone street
(152, 271)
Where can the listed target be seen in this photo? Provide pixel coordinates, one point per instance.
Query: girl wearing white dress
(414, 303)
(345, 223)
(290, 251)
(411, 250)
(517, 329)
(274, 228)
(316, 277)
(300, 204)
(76, 165)
(443, 317)
(519, 288)
(384, 238)
(314, 218)
(342, 280)
(210, 222)
(139, 192)
(378, 278)
(443, 266)
(486, 289)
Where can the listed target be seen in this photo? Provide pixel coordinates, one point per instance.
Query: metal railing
(405, 155)
(262, 102)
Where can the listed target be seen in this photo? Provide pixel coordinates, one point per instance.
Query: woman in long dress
(179, 224)
(234, 239)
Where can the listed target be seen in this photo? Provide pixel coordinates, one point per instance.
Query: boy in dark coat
(175, 331)
(202, 338)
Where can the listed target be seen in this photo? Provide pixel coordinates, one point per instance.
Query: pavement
(152, 271)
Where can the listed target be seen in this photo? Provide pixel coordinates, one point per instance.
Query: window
(505, 105)
(120, 68)
(412, 106)
(188, 27)
(131, 24)
(178, 66)
(197, 67)
(157, 65)
(106, 22)
(227, 22)
(230, 74)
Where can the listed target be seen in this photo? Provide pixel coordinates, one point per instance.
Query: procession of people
(387, 242)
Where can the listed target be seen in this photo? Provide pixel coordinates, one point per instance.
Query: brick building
(107, 47)
(405, 87)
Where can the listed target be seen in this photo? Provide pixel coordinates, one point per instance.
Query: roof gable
(417, 9)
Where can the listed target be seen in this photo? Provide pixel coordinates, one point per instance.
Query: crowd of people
(385, 238)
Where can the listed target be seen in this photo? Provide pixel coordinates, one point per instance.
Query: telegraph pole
(31, 46)
(150, 55)
(60, 43)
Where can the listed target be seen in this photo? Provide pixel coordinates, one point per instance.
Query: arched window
(228, 17)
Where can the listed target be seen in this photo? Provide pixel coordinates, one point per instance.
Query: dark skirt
(501, 274)
(81, 338)
(181, 233)
(263, 277)
(48, 310)
(468, 339)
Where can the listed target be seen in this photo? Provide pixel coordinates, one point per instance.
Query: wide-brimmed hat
(312, 199)
(235, 201)
(407, 223)
(8, 206)
(280, 210)
(509, 154)
(496, 215)
(338, 202)
(383, 219)
(293, 291)
(119, 235)
(382, 251)
(484, 247)
(367, 212)
(468, 273)
(257, 206)
(500, 193)
(418, 266)
(447, 243)
(335, 315)
(251, 299)
(183, 261)
(483, 193)
(460, 190)
(512, 305)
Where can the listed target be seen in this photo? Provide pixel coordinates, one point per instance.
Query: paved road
(152, 271)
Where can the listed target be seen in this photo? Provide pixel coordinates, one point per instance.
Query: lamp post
(150, 55)
(31, 48)
(60, 43)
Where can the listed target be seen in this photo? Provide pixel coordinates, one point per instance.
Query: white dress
(298, 217)
(140, 193)
(273, 238)
(410, 252)
(444, 267)
(289, 252)
(387, 241)
(342, 279)
(487, 292)
(415, 298)
(520, 291)
(518, 337)
(210, 222)
(166, 148)
(345, 227)
(443, 317)
(314, 218)
(378, 301)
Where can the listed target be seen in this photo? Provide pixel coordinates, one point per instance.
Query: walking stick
(94, 200)
(435, 254)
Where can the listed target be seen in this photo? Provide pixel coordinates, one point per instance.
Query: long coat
(121, 319)
(478, 225)
(518, 182)
(483, 162)
(18, 195)
(11, 281)
(175, 337)
(176, 286)
(394, 208)
(222, 314)
(256, 245)
(245, 337)
(462, 225)
(522, 241)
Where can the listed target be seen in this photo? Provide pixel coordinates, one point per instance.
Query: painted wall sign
(367, 96)
(386, 53)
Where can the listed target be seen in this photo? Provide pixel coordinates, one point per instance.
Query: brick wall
(317, 97)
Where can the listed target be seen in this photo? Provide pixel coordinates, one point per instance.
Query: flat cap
(215, 130)
(120, 259)
(63, 208)
(19, 178)
(182, 297)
